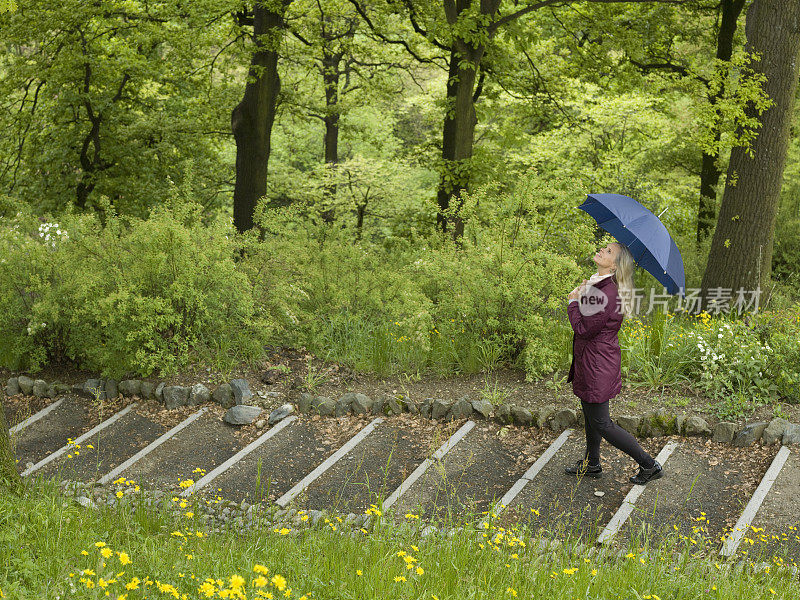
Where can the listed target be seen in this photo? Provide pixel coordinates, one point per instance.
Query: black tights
(599, 426)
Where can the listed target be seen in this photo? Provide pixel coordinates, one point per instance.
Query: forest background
(389, 184)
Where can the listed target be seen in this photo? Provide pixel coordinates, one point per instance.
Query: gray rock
(411, 406)
(12, 387)
(379, 406)
(40, 388)
(159, 393)
(340, 408)
(25, 384)
(680, 423)
(792, 435)
(658, 423)
(95, 388)
(304, 402)
(695, 425)
(440, 408)
(130, 387)
(425, 407)
(521, 415)
(242, 414)
(630, 423)
(52, 392)
(323, 405)
(750, 434)
(461, 409)
(112, 391)
(503, 413)
(393, 406)
(563, 419)
(280, 413)
(175, 396)
(199, 394)
(774, 431)
(223, 395)
(344, 403)
(147, 390)
(541, 415)
(260, 424)
(241, 391)
(723, 432)
(483, 407)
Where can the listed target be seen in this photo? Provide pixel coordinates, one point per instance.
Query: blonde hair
(624, 276)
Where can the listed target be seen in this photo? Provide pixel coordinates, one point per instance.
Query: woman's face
(606, 257)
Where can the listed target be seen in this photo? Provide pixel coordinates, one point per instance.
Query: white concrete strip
(36, 417)
(420, 470)
(532, 472)
(149, 448)
(327, 463)
(209, 477)
(735, 538)
(63, 450)
(625, 510)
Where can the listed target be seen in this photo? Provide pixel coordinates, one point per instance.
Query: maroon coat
(596, 372)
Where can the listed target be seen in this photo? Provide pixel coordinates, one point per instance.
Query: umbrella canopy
(643, 233)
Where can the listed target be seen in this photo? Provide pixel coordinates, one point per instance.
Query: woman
(596, 310)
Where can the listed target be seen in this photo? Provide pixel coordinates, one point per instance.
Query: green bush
(130, 296)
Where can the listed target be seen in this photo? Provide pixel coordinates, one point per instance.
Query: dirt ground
(286, 371)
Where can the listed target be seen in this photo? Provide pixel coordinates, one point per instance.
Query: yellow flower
(279, 582)
(189, 515)
(237, 581)
(570, 571)
(594, 572)
(420, 571)
(260, 569)
(124, 558)
(84, 552)
(133, 584)
(102, 583)
(208, 589)
(119, 494)
(511, 591)
(399, 578)
(260, 581)
(99, 544)
(358, 572)
(106, 552)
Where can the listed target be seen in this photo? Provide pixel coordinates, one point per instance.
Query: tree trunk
(330, 77)
(710, 173)
(10, 481)
(252, 119)
(458, 131)
(741, 249)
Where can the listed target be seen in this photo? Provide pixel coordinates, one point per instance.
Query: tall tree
(111, 99)
(741, 249)
(254, 116)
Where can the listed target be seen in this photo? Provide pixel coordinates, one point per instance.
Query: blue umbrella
(643, 233)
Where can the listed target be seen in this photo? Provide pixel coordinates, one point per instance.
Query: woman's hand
(576, 293)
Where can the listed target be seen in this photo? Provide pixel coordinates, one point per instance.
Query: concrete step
(774, 533)
(373, 469)
(571, 506)
(106, 449)
(196, 449)
(284, 460)
(67, 421)
(700, 497)
(475, 473)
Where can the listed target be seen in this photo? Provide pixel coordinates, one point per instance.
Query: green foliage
(133, 296)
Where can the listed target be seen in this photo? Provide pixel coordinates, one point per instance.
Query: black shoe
(582, 468)
(645, 475)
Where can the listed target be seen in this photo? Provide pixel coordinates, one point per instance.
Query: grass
(50, 547)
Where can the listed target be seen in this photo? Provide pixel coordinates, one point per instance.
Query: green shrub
(131, 296)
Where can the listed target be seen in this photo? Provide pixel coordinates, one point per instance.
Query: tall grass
(52, 548)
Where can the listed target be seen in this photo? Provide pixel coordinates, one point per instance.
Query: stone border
(236, 397)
